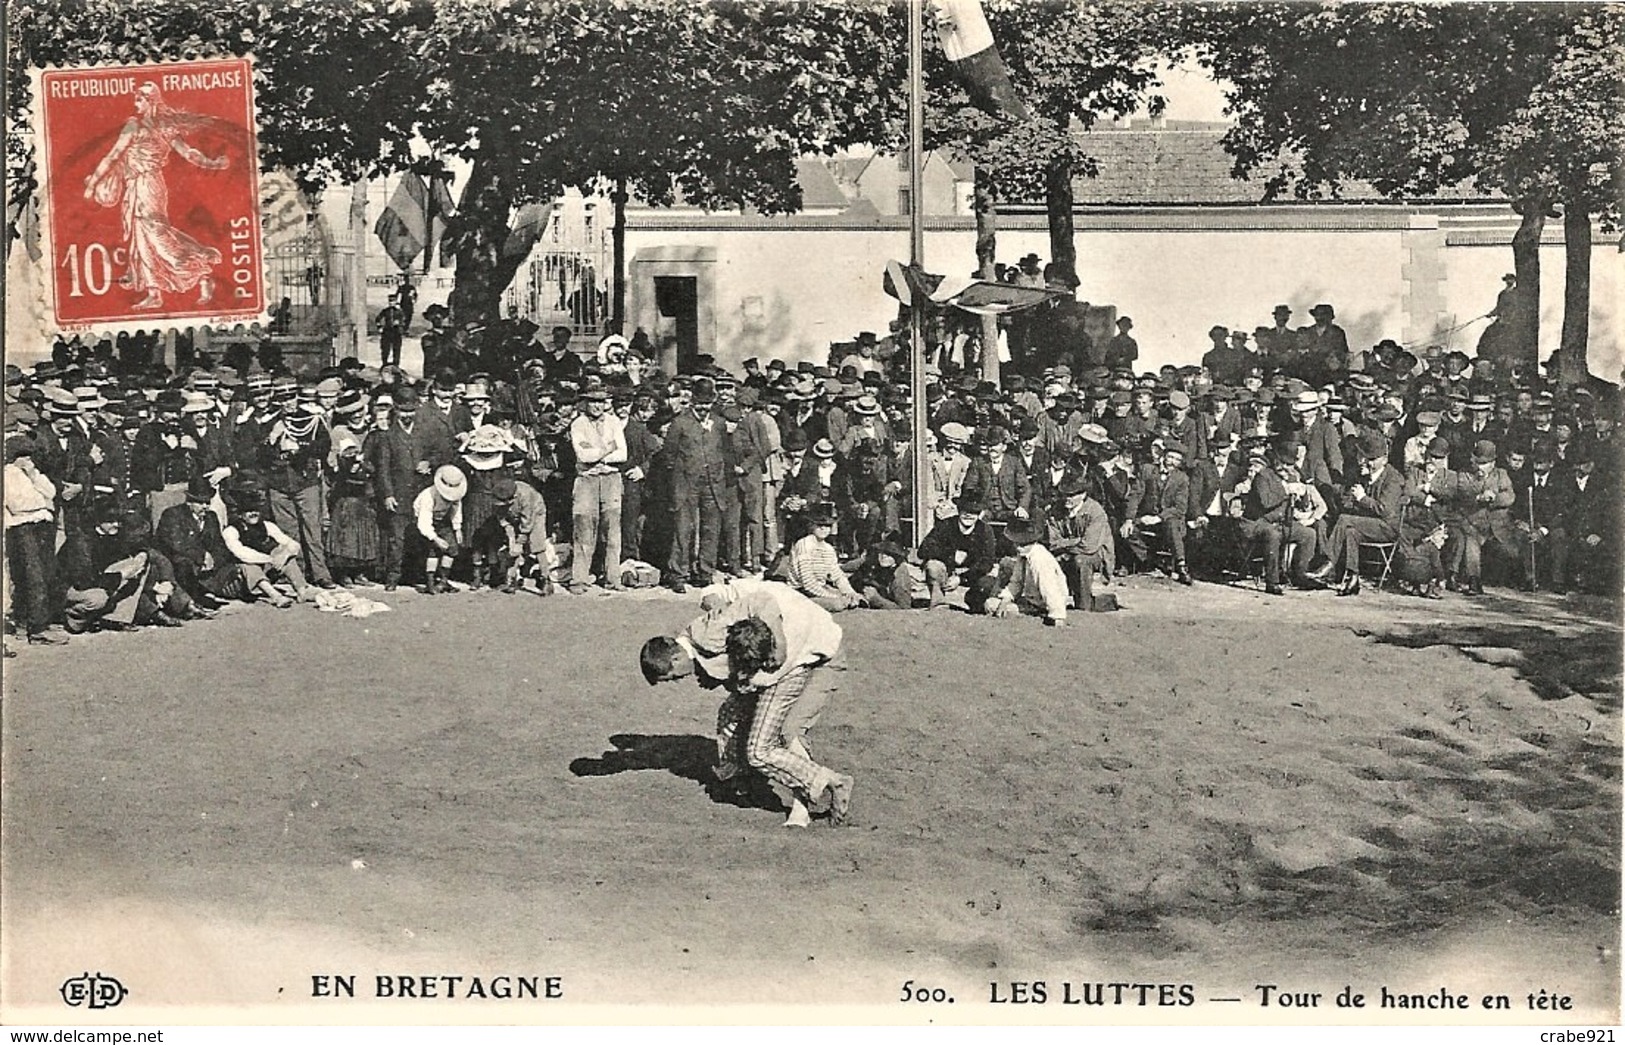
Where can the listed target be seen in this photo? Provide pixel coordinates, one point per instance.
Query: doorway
(677, 329)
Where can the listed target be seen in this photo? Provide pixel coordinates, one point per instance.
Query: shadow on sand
(687, 757)
(1556, 664)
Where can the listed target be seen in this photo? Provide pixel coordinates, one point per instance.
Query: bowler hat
(1484, 451)
(1021, 531)
(200, 490)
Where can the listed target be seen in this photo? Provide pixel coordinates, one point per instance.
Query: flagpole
(916, 257)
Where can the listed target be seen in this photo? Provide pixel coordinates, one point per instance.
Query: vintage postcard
(527, 549)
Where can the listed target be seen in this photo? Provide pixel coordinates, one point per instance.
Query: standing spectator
(1122, 350)
(30, 523)
(699, 470)
(599, 441)
(641, 445)
(760, 466)
(390, 331)
(408, 298)
(293, 460)
(1323, 347)
(352, 532)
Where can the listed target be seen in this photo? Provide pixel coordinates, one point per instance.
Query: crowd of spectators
(136, 495)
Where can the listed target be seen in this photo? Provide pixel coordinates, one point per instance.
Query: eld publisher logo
(96, 991)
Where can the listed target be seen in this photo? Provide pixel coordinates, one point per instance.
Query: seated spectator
(1080, 537)
(1483, 503)
(104, 581)
(1031, 582)
(883, 577)
(962, 549)
(814, 568)
(1371, 513)
(189, 534)
(1159, 512)
(266, 553)
(1306, 526)
(999, 478)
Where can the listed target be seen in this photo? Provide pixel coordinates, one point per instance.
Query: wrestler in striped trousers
(774, 743)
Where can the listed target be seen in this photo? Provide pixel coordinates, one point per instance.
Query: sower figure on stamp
(765, 642)
(162, 257)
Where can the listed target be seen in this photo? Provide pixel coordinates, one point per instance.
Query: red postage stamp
(150, 194)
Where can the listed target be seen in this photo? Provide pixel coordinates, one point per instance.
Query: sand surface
(1211, 788)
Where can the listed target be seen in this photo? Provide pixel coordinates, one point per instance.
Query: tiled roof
(1141, 167)
(818, 188)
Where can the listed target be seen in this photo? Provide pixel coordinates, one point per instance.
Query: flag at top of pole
(967, 40)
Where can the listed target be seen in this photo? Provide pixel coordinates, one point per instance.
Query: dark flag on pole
(967, 40)
(403, 227)
(441, 211)
(529, 225)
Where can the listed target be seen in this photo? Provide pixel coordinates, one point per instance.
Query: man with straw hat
(438, 512)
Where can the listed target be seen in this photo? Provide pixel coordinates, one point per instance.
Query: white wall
(1473, 279)
(1178, 285)
(790, 292)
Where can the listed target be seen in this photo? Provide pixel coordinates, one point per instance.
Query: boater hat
(450, 483)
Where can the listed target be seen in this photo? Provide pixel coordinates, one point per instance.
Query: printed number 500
(92, 270)
(913, 993)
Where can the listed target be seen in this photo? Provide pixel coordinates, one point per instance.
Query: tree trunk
(1574, 369)
(619, 249)
(987, 227)
(479, 232)
(1063, 250)
(1523, 332)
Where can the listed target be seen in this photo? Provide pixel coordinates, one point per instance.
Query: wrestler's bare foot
(152, 300)
(205, 290)
(799, 816)
(840, 794)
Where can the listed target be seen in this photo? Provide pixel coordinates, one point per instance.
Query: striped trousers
(773, 737)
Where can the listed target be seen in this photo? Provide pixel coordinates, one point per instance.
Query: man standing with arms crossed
(599, 441)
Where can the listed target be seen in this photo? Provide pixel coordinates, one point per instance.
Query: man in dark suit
(62, 455)
(1592, 524)
(1371, 513)
(1324, 347)
(1265, 508)
(700, 476)
(1540, 521)
(189, 535)
(403, 452)
(1322, 444)
(999, 478)
(641, 445)
(1161, 509)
